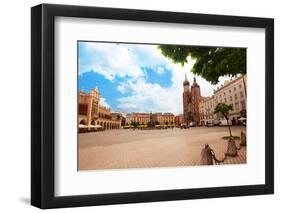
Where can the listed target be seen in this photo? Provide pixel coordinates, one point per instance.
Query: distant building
(179, 119)
(164, 118)
(145, 118)
(201, 109)
(116, 118)
(137, 117)
(191, 101)
(91, 112)
(123, 120)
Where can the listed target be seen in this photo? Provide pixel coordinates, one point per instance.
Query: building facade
(164, 118)
(145, 118)
(207, 107)
(191, 101)
(233, 92)
(91, 112)
(179, 119)
(137, 117)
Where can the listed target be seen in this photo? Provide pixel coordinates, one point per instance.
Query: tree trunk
(229, 127)
(231, 146)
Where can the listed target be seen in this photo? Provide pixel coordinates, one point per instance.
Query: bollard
(231, 148)
(243, 138)
(206, 156)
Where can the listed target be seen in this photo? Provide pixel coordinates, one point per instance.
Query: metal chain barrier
(208, 156)
(217, 162)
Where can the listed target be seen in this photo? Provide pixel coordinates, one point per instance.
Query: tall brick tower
(195, 100)
(187, 112)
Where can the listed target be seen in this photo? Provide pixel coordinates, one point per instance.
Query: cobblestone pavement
(115, 149)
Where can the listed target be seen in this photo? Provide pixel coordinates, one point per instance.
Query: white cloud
(147, 97)
(126, 60)
(152, 102)
(111, 60)
(122, 87)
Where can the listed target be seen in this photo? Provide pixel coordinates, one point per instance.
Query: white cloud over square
(125, 62)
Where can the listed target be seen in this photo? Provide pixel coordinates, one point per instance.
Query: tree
(211, 62)
(224, 110)
(135, 124)
(150, 124)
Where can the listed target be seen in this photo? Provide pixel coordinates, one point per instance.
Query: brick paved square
(120, 148)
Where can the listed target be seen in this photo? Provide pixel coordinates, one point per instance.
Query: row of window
(234, 89)
(104, 116)
(241, 95)
(225, 99)
(206, 117)
(235, 106)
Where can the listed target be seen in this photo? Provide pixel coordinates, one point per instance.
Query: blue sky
(133, 77)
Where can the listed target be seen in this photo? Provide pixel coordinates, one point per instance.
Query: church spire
(186, 82)
(194, 82)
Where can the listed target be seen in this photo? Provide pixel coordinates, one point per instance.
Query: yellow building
(165, 118)
(137, 117)
(145, 118)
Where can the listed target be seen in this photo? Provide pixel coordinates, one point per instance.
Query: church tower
(191, 101)
(94, 102)
(186, 101)
(196, 98)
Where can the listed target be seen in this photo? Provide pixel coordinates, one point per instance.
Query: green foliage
(150, 124)
(223, 109)
(211, 62)
(135, 124)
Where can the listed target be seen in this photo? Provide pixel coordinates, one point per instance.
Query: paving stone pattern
(116, 149)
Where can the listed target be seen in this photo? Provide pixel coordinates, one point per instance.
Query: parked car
(224, 122)
(216, 122)
(192, 124)
(210, 124)
(184, 126)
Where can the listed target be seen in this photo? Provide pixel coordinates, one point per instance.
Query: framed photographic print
(139, 106)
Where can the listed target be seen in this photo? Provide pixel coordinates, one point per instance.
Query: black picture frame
(43, 102)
